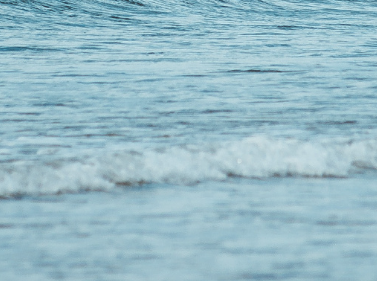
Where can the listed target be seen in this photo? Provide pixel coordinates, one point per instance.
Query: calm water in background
(191, 140)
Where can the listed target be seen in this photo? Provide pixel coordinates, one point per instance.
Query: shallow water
(201, 108)
(280, 229)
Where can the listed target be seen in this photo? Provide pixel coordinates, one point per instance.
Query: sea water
(188, 140)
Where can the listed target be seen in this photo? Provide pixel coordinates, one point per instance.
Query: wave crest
(254, 157)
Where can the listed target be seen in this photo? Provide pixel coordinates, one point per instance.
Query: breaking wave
(254, 157)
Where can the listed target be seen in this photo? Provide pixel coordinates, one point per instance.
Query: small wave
(254, 157)
(100, 13)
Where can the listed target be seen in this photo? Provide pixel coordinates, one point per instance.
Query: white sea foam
(254, 157)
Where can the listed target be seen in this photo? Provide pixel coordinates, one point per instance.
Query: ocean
(188, 140)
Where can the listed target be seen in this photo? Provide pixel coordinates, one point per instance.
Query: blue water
(190, 140)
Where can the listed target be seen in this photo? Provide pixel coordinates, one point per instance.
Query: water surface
(216, 140)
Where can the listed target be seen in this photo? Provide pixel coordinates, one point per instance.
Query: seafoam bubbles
(254, 157)
(25, 178)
